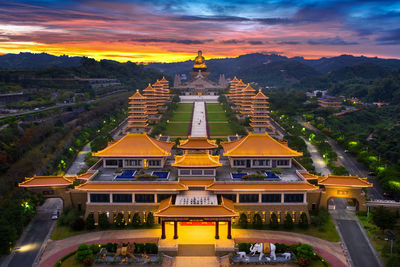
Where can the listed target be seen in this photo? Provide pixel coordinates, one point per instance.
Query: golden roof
(137, 145)
(133, 186)
(167, 209)
(85, 176)
(197, 143)
(196, 160)
(260, 95)
(261, 186)
(234, 80)
(148, 88)
(351, 181)
(240, 84)
(309, 176)
(45, 181)
(249, 88)
(258, 145)
(163, 79)
(137, 95)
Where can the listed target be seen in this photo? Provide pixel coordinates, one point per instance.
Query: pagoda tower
(137, 118)
(160, 99)
(165, 86)
(260, 121)
(151, 103)
(237, 94)
(246, 101)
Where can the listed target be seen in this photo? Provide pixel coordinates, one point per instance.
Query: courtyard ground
(217, 121)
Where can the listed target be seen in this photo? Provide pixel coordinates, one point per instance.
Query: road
(351, 164)
(79, 161)
(34, 236)
(318, 161)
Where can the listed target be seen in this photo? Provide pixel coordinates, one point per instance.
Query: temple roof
(351, 181)
(249, 88)
(197, 143)
(309, 176)
(137, 95)
(148, 88)
(163, 79)
(167, 209)
(259, 186)
(196, 160)
(240, 83)
(136, 186)
(260, 95)
(234, 80)
(44, 181)
(137, 145)
(196, 182)
(85, 176)
(258, 145)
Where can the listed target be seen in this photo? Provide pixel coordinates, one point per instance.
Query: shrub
(281, 248)
(90, 222)
(150, 219)
(303, 223)
(84, 252)
(304, 251)
(257, 221)
(95, 248)
(393, 261)
(139, 247)
(119, 220)
(243, 220)
(88, 262)
(103, 221)
(136, 220)
(244, 247)
(321, 217)
(78, 224)
(273, 221)
(151, 248)
(288, 223)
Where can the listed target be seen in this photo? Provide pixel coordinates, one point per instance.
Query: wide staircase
(202, 255)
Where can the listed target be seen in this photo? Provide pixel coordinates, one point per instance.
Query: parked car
(54, 215)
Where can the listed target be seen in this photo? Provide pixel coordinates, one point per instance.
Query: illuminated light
(372, 158)
(381, 169)
(104, 121)
(28, 247)
(304, 129)
(70, 149)
(353, 143)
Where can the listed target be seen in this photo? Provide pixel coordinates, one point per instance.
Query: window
(229, 196)
(133, 162)
(260, 162)
(208, 172)
(161, 197)
(271, 198)
(294, 198)
(100, 198)
(248, 198)
(122, 198)
(282, 162)
(238, 162)
(184, 172)
(111, 162)
(197, 172)
(154, 162)
(144, 198)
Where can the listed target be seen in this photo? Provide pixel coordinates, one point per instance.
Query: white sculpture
(263, 248)
(287, 255)
(242, 254)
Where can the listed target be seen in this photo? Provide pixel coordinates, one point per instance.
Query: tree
(288, 223)
(257, 221)
(78, 224)
(103, 221)
(273, 221)
(303, 223)
(8, 235)
(84, 252)
(119, 220)
(90, 222)
(243, 220)
(136, 220)
(304, 252)
(384, 218)
(150, 219)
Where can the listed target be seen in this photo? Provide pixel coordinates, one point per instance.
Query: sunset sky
(172, 30)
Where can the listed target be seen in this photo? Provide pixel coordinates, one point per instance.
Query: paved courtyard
(199, 123)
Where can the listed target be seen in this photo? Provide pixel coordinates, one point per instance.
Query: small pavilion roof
(197, 143)
(260, 95)
(351, 181)
(148, 88)
(163, 79)
(249, 88)
(47, 181)
(258, 145)
(241, 84)
(167, 209)
(133, 186)
(196, 160)
(137, 145)
(234, 80)
(137, 95)
(261, 186)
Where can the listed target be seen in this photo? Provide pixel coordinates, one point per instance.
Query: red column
(216, 230)
(229, 230)
(175, 230)
(163, 229)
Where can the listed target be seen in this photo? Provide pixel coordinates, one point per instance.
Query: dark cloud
(233, 41)
(330, 41)
(289, 42)
(184, 41)
(255, 42)
(391, 37)
(275, 21)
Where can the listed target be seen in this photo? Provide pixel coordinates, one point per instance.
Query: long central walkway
(199, 124)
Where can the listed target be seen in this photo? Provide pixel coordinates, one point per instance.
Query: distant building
(329, 102)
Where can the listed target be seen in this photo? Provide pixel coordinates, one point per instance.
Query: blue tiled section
(161, 175)
(271, 175)
(238, 175)
(127, 174)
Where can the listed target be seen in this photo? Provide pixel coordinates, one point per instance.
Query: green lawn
(220, 129)
(217, 117)
(216, 114)
(177, 129)
(72, 262)
(184, 107)
(214, 108)
(181, 117)
(61, 232)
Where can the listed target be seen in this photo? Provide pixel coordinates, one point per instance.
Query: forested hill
(32, 61)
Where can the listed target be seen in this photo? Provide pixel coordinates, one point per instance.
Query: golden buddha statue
(199, 62)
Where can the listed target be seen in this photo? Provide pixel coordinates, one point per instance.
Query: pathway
(331, 251)
(79, 162)
(199, 123)
(318, 161)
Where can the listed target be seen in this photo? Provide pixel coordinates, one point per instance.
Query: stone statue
(199, 62)
(125, 252)
(263, 248)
